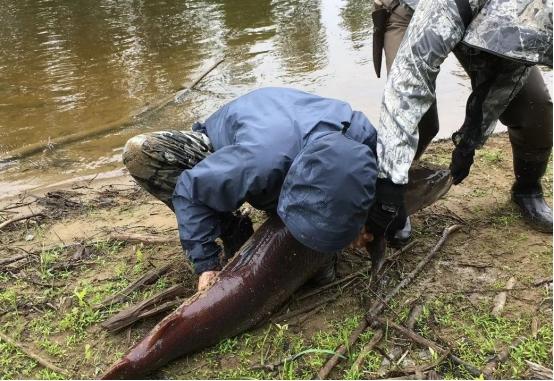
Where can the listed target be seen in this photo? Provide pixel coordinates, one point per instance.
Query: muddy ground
(83, 248)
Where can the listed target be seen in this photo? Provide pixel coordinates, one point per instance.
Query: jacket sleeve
(217, 184)
(435, 29)
(495, 81)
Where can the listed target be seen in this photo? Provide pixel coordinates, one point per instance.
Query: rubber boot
(527, 191)
(236, 229)
(401, 237)
(327, 273)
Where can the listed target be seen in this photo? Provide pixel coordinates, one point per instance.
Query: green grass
(480, 335)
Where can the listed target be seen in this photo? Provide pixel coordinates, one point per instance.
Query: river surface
(74, 65)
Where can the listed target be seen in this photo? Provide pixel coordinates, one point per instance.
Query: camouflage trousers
(156, 159)
(528, 116)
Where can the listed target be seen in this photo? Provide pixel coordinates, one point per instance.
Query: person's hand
(462, 159)
(206, 279)
(362, 240)
(388, 213)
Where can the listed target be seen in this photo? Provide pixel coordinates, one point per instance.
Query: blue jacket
(256, 139)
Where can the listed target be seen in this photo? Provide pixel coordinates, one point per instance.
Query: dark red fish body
(267, 270)
(262, 276)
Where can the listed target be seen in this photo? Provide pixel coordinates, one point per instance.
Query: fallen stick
(141, 310)
(422, 369)
(540, 282)
(14, 258)
(124, 122)
(20, 218)
(378, 335)
(426, 343)
(148, 278)
(16, 205)
(151, 239)
(415, 312)
(32, 355)
(500, 299)
(539, 372)
(334, 283)
(378, 306)
(307, 308)
(273, 366)
(500, 357)
(402, 250)
(357, 273)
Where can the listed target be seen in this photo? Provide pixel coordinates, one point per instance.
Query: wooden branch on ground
(500, 299)
(20, 218)
(143, 310)
(342, 280)
(402, 250)
(500, 357)
(148, 239)
(357, 273)
(419, 370)
(45, 363)
(426, 343)
(378, 335)
(378, 306)
(415, 312)
(14, 258)
(540, 282)
(539, 372)
(148, 278)
(306, 308)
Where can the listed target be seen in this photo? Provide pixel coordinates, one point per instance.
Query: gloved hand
(462, 159)
(236, 231)
(388, 212)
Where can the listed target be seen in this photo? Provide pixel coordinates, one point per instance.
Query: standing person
(309, 159)
(497, 42)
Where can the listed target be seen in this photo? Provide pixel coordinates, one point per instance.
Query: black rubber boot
(401, 237)
(236, 229)
(327, 273)
(527, 191)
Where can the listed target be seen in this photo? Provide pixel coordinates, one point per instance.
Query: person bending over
(307, 158)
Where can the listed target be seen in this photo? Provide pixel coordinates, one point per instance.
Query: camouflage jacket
(436, 29)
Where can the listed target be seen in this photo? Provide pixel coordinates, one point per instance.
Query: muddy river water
(73, 65)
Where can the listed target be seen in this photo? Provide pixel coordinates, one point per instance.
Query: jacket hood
(327, 192)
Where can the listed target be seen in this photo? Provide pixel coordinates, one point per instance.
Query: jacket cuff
(208, 264)
(204, 257)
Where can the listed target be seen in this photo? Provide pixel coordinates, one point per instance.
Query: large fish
(265, 272)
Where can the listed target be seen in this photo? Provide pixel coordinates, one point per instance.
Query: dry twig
(45, 363)
(499, 358)
(306, 308)
(20, 218)
(148, 278)
(500, 299)
(378, 306)
(539, 372)
(148, 239)
(143, 310)
(378, 335)
(14, 258)
(426, 343)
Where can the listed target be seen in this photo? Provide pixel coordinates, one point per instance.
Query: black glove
(236, 229)
(388, 212)
(462, 159)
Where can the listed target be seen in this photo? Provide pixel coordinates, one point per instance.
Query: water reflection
(354, 14)
(301, 38)
(72, 65)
